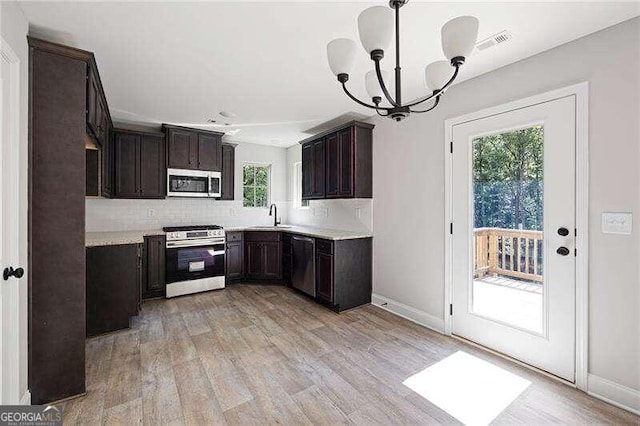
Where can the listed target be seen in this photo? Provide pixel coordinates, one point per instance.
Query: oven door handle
(218, 252)
(194, 243)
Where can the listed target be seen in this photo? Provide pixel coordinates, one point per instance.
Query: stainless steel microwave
(193, 183)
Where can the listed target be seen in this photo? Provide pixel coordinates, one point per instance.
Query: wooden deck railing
(509, 252)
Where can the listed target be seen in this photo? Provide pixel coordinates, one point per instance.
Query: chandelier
(375, 26)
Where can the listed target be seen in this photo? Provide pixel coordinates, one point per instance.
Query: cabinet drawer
(233, 236)
(265, 236)
(324, 246)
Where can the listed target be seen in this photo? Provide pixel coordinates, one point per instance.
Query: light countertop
(112, 238)
(328, 234)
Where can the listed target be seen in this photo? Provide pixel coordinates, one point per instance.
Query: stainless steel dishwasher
(303, 274)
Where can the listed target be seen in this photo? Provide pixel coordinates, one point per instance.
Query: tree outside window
(255, 185)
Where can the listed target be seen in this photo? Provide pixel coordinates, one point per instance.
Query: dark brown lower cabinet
(113, 287)
(324, 277)
(342, 267)
(287, 259)
(234, 257)
(344, 272)
(153, 277)
(263, 255)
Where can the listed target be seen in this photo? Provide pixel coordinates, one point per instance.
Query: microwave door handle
(209, 178)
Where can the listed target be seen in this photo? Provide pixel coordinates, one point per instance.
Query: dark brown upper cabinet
(193, 149)
(313, 169)
(209, 152)
(228, 171)
(338, 163)
(139, 165)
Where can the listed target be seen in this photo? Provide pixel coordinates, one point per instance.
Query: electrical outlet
(617, 223)
(232, 211)
(358, 212)
(151, 212)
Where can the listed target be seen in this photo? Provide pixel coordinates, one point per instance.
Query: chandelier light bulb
(373, 85)
(341, 54)
(459, 36)
(437, 74)
(375, 26)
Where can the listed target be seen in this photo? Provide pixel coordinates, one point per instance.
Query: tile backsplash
(127, 215)
(348, 214)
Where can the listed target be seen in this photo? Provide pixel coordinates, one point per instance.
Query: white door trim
(581, 92)
(12, 145)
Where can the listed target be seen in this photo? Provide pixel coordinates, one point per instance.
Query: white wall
(120, 215)
(350, 214)
(408, 207)
(14, 28)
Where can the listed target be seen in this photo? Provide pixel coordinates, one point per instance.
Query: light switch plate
(617, 223)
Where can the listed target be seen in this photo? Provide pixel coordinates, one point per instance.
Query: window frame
(267, 166)
(298, 202)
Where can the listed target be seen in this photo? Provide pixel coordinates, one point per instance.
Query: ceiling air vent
(494, 40)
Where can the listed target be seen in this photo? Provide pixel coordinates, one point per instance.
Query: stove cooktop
(190, 228)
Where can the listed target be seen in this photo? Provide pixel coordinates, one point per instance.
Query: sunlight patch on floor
(472, 390)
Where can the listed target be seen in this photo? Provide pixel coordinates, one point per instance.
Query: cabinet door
(154, 267)
(101, 119)
(112, 274)
(333, 165)
(209, 152)
(92, 101)
(235, 260)
(324, 276)
(228, 171)
(253, 259)
(182, 149)
(345, 163)
(318, 169)
(307, 171)
(152, 169)
(107, 165)
(272, 261)
(126, 160)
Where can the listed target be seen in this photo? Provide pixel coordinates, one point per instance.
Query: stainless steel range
(194, 259)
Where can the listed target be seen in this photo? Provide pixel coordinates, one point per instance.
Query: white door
(9, 217)
(513, 259)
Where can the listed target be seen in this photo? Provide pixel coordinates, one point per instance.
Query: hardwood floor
(254, 354)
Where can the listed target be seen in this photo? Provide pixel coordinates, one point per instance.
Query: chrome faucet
(273, 208)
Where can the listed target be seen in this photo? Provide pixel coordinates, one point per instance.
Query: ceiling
(265, 62)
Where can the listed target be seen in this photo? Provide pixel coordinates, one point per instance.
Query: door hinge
(451, 147)
(575, 232)
(451, 309)
(575, 252)
(451, 228)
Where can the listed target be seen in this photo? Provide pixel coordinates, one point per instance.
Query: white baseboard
(614, 393)
(408, 312)
(26, 398)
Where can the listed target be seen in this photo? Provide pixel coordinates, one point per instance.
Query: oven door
(215, 184)
(187, 183)
(193, 260)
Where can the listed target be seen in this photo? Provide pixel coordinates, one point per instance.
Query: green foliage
(255, 186)
(507, 179)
